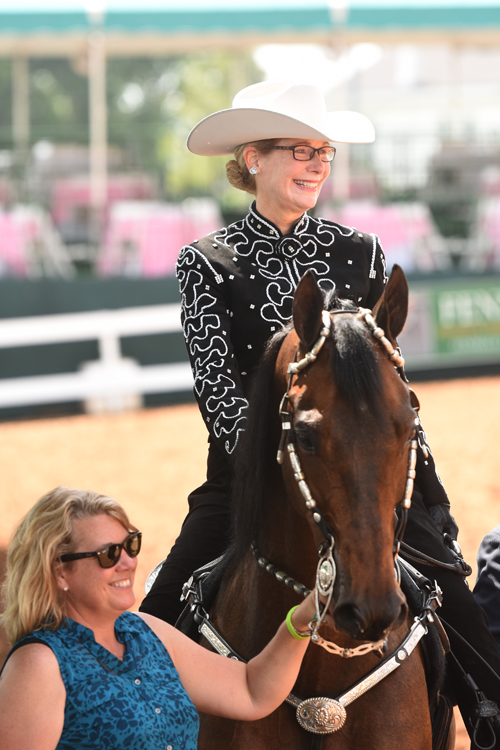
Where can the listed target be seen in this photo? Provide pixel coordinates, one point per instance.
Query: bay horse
(350, 422)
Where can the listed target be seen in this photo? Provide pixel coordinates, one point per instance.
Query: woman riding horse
(237, 287)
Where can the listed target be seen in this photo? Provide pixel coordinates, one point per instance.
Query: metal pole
(341, 167)
(20, 111)
(98, 132)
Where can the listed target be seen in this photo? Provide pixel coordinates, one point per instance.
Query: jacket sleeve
(427, 479)
(377, 272)
(206, 323)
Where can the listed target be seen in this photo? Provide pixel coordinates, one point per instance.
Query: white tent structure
(94, 30)
(60, 27)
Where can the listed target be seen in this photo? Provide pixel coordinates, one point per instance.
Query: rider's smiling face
(287, 187)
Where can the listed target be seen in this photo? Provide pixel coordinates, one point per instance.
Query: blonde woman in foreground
(85, 673)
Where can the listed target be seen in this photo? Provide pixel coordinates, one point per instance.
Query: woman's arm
(32, 699)
(206, 324)
(225, 687)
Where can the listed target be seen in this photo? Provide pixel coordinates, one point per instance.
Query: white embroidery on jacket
(281, 266)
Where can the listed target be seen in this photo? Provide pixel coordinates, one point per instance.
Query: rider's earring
(65, 588)
(253, 170)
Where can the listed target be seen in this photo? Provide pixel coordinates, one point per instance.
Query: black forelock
(356, 364)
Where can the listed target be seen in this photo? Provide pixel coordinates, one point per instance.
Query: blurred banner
(453, 323)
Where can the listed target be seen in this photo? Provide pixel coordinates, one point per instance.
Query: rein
(459, 566)
(326, 571)
(346, 653)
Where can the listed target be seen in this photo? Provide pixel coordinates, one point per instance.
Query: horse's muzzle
(358, 625)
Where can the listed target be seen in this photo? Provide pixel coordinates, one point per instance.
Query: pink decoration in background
(12, 255)
(144, 238)
(72, 194)
(21, 234)
(30, 246)
(488, 230)
(406, 231)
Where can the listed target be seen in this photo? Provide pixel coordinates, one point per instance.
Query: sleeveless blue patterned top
(138, 703)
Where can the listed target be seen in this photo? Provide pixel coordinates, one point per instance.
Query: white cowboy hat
(277, 110)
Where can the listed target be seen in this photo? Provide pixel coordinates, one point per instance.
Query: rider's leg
(460, 609)
(204, 536)
(487, 588)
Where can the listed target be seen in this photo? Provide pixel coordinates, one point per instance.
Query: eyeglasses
(306, 153)
(109, 556)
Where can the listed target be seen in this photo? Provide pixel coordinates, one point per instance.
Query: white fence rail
(110, 383)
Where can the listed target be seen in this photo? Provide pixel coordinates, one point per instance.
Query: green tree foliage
(58, 102)
(202, 83)
(152, 105)
(137, 118)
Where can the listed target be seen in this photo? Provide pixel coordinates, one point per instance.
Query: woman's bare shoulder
(35, 660)
(32, 699)
(160, 627)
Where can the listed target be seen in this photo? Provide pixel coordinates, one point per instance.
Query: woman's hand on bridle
(306, 612)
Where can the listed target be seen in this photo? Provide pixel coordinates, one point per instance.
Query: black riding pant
(204, 536)
(460, 610)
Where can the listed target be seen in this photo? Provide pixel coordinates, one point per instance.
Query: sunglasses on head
(109, 555)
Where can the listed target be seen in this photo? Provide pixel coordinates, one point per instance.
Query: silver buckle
(321, 715)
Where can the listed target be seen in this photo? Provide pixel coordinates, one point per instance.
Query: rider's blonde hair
(237, 171)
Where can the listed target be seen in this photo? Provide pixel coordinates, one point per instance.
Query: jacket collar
(287, 245)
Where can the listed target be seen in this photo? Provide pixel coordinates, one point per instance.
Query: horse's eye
(306, 439)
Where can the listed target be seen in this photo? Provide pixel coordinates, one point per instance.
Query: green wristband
(292, 629)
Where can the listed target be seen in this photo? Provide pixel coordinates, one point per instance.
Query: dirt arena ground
(151, 459)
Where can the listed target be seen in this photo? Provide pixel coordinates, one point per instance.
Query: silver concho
(326, 575)
(321, 715)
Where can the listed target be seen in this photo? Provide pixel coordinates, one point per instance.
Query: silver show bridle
(326, 570)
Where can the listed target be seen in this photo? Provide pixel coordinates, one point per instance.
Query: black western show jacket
(237, 286)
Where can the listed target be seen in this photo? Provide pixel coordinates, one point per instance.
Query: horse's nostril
(349, 620)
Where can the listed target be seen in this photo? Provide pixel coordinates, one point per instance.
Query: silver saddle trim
(152, 577)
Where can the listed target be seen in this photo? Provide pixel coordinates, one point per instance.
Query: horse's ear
(307, 309)
(392, 308)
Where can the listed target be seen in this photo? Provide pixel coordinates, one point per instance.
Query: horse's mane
(357, 376)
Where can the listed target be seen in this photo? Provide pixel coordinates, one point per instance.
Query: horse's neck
(287, 540)
(252, 601)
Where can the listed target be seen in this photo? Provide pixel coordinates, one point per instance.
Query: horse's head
(352, 424)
